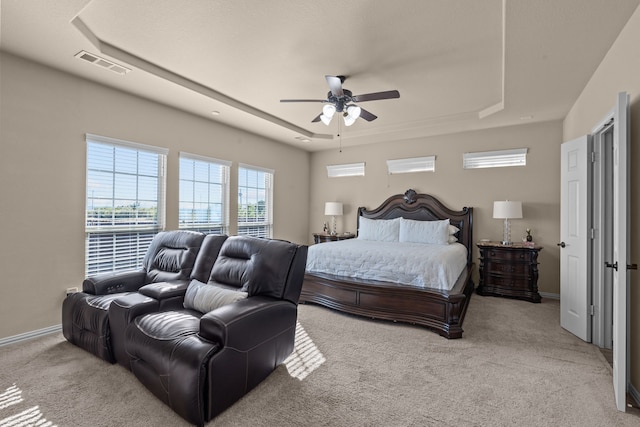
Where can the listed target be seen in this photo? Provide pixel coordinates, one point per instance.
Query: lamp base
(506, 237)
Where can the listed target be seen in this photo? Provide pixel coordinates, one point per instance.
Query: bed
(440, 308)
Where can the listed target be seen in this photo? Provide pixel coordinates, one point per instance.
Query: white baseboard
(635, 395)
(550, 295)
(30, 335)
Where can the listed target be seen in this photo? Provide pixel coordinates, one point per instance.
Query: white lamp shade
(507, 209)
(329, 110)
(325, 119)
(354, 111)
(333, 208)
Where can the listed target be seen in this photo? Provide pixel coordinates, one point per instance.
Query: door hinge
(592, 310)
(593, 233)
(593, 157)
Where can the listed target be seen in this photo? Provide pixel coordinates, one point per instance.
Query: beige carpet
(514, 366)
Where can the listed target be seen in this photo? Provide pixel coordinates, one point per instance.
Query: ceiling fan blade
(364, 114)
(317, 119)
(389, 94)
(303, 100)
(335, 84)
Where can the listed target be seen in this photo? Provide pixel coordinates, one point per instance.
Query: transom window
(204, 194)
(255, 200)
(125, 202)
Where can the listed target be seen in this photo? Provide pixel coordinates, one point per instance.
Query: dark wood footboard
(440, 311)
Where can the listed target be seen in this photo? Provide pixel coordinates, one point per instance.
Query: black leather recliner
(170, 259)
(159, 296)
(200, 359)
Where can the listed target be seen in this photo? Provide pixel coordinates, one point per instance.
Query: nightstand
(509, 271)
(324, 237)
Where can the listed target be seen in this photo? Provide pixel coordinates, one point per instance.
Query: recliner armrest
(111, 283)
(164, 290)
(246, 323)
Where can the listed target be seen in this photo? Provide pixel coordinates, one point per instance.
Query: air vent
(102, 63)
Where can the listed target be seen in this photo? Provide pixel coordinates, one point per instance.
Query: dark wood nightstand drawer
(516, 269)
(508, 255)
(509, 281)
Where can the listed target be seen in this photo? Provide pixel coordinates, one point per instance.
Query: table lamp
(334, 209)
(508, 210)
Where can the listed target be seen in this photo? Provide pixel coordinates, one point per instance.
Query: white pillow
(205, 298)
(381, 230)
(452, 231)
(434, 232)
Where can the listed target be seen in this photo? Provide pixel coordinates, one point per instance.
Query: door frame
(602, 235)
(618, 117)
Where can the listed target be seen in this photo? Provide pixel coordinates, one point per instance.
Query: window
(351, 169)
(414, 164)
(204, 194)
(255, 199)
(495, 159)
(125, 202)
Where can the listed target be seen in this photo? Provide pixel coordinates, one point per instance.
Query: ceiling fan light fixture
(353, 112)
(325, 119)
(329, 110)
(348, 120)
(338, 99)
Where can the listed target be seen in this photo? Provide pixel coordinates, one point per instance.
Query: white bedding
(417, 264)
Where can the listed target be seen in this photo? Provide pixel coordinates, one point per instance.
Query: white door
(575, 208)
(620, 249)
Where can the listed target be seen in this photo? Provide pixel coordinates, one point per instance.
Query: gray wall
(45, 115)
(537, 184)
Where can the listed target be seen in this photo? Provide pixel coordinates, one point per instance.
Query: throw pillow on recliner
(205, 298)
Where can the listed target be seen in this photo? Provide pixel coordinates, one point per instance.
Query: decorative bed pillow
(205, 298)
(381, 230)
(452, 233)
(434, 232)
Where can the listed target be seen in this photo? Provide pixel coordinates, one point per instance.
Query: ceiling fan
(341, 100)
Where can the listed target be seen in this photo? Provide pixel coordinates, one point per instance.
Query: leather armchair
(170, 259)
(200, 363)
(154, 297)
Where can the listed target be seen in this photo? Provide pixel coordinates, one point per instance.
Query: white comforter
(418, 264)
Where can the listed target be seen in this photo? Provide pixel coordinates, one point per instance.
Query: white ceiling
(458, 64)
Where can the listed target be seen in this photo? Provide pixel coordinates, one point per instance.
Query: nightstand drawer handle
(562, 244)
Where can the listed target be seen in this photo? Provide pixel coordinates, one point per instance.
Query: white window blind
(410, 165)
(125, 202)
(495, 159)
(204, 194)
(255, 200)
(350, 169)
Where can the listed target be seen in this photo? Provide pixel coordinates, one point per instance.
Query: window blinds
(125, 202)
(255, 200)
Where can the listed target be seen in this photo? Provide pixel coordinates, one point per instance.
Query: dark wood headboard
(424, 207)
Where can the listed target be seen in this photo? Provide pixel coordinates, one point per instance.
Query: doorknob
(614, 265)
(562, 244)
(632, 266)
